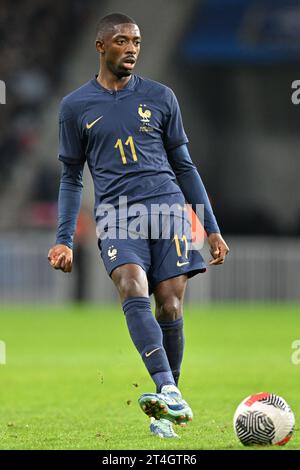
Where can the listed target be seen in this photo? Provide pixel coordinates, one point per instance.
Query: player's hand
(61, 257)
(218, 248)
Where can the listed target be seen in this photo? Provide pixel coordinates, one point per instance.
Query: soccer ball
(264, 419)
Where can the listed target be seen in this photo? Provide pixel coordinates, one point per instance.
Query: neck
(110, 81)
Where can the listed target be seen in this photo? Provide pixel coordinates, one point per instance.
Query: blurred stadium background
(231, 64)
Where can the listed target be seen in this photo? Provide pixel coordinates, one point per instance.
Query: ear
(99, 46)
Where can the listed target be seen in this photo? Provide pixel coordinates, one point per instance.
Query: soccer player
(129, 131)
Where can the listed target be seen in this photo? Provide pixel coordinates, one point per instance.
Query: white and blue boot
(168, 405)
(162, 428)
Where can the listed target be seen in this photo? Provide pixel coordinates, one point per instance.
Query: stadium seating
(32, 59)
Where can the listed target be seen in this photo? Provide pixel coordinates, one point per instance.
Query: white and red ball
(264, 419)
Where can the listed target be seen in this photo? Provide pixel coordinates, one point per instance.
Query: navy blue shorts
(164, 254)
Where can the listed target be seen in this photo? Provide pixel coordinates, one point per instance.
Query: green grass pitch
(72, 377)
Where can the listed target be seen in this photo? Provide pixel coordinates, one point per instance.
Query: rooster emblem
(144, 113)
(112, 253)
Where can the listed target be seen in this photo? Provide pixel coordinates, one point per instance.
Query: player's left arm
(195, 193)
(189, 180)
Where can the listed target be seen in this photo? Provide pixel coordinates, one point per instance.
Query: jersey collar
(130, 85)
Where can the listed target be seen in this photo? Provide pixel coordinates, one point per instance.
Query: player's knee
(131, 287)
(169, 310)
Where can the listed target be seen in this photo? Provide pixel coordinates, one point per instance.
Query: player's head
(118, 42)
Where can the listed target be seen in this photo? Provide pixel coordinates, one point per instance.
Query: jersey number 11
(119, 145)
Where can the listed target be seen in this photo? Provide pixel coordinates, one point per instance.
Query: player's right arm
(71, 154)
(69, 201)
(61, 257)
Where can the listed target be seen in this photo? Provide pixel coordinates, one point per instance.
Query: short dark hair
(109, 21)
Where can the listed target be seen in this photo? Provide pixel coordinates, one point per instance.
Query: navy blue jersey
(124, 136)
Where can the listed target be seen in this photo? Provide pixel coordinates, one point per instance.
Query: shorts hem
(190, 273)
(109, 272)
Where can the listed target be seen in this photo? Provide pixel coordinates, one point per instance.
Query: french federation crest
(144, 113)
(112, 253)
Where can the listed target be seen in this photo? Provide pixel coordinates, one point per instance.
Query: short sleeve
(174, 134)
(70, 141)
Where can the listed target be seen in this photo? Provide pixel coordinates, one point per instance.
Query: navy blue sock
(147, 337)
(173, 341)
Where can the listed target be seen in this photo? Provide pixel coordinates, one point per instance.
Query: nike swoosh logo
(182, 264)
(88, 126)
(151, 352)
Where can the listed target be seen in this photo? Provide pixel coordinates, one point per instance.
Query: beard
(123, 73)
(119, 71)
